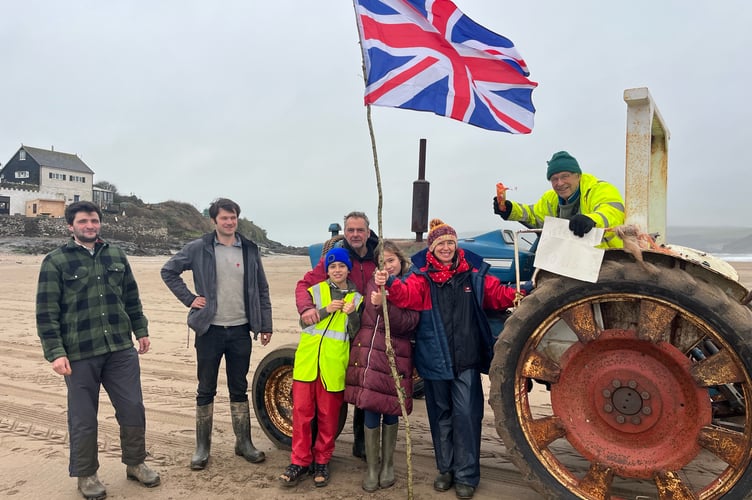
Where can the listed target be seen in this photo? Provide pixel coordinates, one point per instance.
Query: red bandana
(440, 273)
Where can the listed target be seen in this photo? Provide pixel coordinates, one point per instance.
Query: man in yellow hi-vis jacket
(583, 199)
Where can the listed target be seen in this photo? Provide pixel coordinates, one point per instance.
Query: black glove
(581, 224)
(507, 208)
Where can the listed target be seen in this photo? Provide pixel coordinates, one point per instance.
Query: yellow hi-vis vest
(324, 348)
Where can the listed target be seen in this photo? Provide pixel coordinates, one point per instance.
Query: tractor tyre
(272, 397)
(596, 393)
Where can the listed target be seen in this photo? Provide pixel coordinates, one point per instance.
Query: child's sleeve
(323, 313)
(353, 323)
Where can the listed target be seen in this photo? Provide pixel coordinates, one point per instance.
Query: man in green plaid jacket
(87, 306)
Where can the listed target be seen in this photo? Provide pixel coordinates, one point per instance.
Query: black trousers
(232, 342)
(120, 375)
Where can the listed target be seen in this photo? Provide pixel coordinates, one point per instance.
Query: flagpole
(387, 330)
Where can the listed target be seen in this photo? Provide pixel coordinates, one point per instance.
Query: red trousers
(309, 400)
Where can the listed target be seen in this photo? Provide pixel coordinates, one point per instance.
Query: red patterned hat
(440, 231)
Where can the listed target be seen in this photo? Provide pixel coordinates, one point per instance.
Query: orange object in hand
(501, 194)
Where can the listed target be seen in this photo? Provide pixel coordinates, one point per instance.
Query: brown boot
(241, 424)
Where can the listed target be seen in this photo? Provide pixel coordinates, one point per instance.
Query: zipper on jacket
(321, 341)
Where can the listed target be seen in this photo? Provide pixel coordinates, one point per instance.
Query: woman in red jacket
(452, 289)
(369, 382)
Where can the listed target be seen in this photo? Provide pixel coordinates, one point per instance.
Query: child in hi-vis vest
(319, 371)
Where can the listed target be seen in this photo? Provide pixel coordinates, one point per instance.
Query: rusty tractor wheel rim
(637, 408)
(278, 399)
(648, 421)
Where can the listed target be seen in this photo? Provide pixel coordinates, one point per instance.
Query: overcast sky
(262, 102)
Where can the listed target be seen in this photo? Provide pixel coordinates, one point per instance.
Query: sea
(734, 257)
(728, 257)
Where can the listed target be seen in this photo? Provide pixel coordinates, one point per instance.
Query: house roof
(55, 159)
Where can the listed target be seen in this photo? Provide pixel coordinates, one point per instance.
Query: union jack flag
(426, 55)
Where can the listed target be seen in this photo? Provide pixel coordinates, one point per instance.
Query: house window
(57, 176)
(34, 208)
(22, 174)
(76, 197)
(22, 155)
(78, 178)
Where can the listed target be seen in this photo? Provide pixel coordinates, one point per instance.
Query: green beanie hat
(562, 162)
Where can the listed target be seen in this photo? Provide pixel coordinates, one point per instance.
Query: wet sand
(33, 428)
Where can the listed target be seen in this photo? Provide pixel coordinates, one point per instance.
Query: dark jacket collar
(371, 243)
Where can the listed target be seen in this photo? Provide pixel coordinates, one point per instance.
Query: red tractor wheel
(632, 371)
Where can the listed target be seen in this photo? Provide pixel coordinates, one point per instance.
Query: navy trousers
(374, 420)
(455, 413)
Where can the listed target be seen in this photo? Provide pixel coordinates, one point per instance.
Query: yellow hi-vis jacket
(324, 348)
(599, 200)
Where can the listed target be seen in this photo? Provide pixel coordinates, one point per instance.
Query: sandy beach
(33, 427)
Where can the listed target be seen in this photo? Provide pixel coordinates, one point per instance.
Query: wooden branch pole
(387, 330)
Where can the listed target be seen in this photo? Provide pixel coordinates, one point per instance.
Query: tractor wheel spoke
(727, 445)
(655, 321)
(581, 321)
(597, 481)
(540, 367)
(545, 431)
(717, 369)
(671, 487)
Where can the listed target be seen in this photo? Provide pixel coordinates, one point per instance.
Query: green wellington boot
(372, 439)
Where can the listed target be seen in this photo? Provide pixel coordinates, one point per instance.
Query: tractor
(631, 387)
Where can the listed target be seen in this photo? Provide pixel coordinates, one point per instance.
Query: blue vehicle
(496, 248)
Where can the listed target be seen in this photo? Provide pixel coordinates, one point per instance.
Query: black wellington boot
(241, 424)
(204, 421)
(359, 440)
